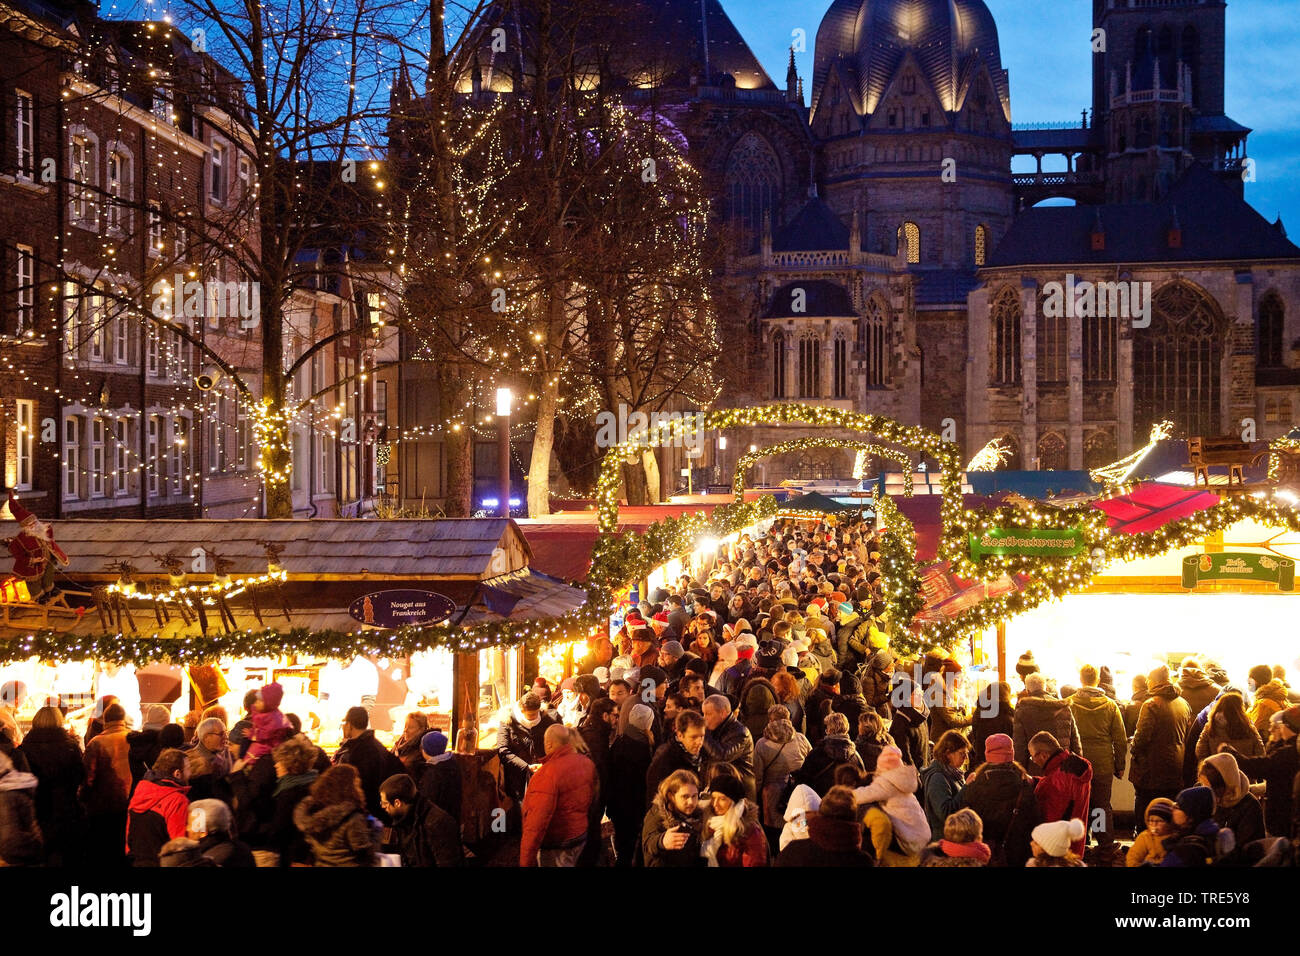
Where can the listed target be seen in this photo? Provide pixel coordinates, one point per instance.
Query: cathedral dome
(869, 40)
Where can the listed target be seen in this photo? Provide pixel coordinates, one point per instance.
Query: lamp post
(505, 401)
(722, 447)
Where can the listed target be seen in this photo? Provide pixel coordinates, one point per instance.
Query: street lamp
(505, 403)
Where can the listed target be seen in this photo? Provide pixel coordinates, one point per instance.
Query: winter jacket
(910, 727)
(942, 786)
(1211, 739)
(756, 698)
(108, 770)
(1147, 848)
(629, 764)
(830, 842)
(1197, 689)
(667, 760)
(775, 762)
(1063, 792)
(278, 832)
(814, 719)
(869, 749)
(54, 758)
(1003, 796)
(731, 742)
(520, 744)
(158, 813)
(734, 677)
(1278, 768)
(374, 763)
(749, 850)
(943, 853)
(20, 834)
(557, 803)
(818, 769)
(215, 849)
(658, 821)
(1269, 699)
(895, 791)
(943, 719)
(1158, 742)
(983, 726)
(1196, 847)
(1102, 737)
(339, 834)
(427, 836)
(1035, 714)
(440, 784)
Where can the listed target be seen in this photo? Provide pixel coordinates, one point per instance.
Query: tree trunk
(276, 447)
(634, 481)
(654, 490)
(458, 445)
(539, 466)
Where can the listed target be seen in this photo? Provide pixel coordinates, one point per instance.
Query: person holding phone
(671, 833)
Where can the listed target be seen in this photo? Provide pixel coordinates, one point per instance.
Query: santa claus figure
(36, 554)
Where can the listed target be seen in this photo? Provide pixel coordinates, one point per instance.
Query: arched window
(778, 365)
(1053, 332)
(1052, 453)
(810, 366)
(909, 238)
(872, 344)
(1178, 362)
(1272, 316)
(1006, 314)
(753, 179)
(1099, 337)
(840, 382)
(981, 245)
(1099, 449)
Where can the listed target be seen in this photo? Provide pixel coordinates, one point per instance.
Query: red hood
(149, 794)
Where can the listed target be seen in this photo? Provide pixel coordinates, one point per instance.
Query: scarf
(967, 851)
(724, 829)
(291, 780)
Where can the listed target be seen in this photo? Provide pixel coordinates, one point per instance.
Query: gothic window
(1177, 362)
(871, 343)
(981, 245)
(893, 115)
(1052, 453)
(1099, 449)
(810, 366)
(909, 83)
(1099, 338)
(1052, 334)
(1006, 338)
(1271, 324)
(778, 365)
(841, 378)
(909, 238)
(753, 182)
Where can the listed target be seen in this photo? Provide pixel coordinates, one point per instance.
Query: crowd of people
(759, 717)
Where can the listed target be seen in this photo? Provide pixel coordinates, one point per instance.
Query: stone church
(891, 262)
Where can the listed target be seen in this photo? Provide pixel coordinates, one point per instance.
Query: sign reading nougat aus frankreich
(402, 608)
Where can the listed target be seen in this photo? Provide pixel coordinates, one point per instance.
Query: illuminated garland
(799, 444)
(901, 575)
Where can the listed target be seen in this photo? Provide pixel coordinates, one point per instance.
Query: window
(1099, 449)
(778, 365)
(153, 351)
(217, 432)
(155, 227)
(153, 455)
(753, 178)
(117, 189)
(981, 245)
(95, 323)
(245, 177)
(72, 457)
(1006, 316)
(325, 465)
(841, 376)
(180, 455)
(1272, 315)
(374, 307)
(25, 300)
(909, 83)
(810, 367)
(1052, 333)
(120, 332)
(871, 342)
(1052, 454)
(121, 444)
(909, 239)
(26, 443)
(71, 323)
(81, 167)
(97, 457)
(162, 104)
(24, 134)
(218, 172)
(243, 437)
(1099, 338)
(1178, 362)
(295, 453)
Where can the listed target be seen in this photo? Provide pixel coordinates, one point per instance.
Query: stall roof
(1152, 505)
(1031, 484)
(563, 551)
(815, 501)
(925, 513)
(523, 595)
(454, 548)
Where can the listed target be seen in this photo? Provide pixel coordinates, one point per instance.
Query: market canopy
(815, 501)
(1152, 505)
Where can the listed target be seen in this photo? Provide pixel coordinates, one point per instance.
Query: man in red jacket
(558, 803)
(159, 808)
(1065, 788)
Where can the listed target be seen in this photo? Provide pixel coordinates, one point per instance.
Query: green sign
(1027, 542)
(1266, 568)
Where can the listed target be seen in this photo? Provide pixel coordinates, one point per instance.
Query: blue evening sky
(1045, 48)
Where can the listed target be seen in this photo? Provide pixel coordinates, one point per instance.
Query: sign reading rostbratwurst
(402, 608)
(1245, 566)
(1027, 542)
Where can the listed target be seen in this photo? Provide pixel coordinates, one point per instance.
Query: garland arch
(798, 444)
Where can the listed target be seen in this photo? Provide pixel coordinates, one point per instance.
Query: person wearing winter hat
(1149, 846)
(1159, 740)
(1026, 665)
(439, 782)
(962, 843)
(834, 835)
(270, 727)
(157, 813)
(895, 818)
(1235, 807)
(37, 556)
(732, 835)
(1278, 768)
(1270, 697)
(630, 755)
(1003, 795)
(1051, 843)
(144, 744)
(1195, 840)
(571, 709)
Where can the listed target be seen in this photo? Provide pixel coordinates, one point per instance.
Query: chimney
(1175, 232)
(1098, 234)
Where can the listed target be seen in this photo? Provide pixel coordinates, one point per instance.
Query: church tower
(1157, 95)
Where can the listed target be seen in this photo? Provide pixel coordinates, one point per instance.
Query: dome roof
(870, 38)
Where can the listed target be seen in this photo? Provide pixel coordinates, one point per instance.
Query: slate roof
(943, 286)
(1216, 225)
(1217, 124)
(823, 298)
(1047, 138)
(814, 228)
(447, 547)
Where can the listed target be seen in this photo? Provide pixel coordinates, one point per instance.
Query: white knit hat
(1055, 838)
(641, 717)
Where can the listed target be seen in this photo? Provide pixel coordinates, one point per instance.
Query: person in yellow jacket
(1149, 847)
(1270, 697)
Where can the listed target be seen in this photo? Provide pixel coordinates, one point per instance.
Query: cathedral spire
(791, 80)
